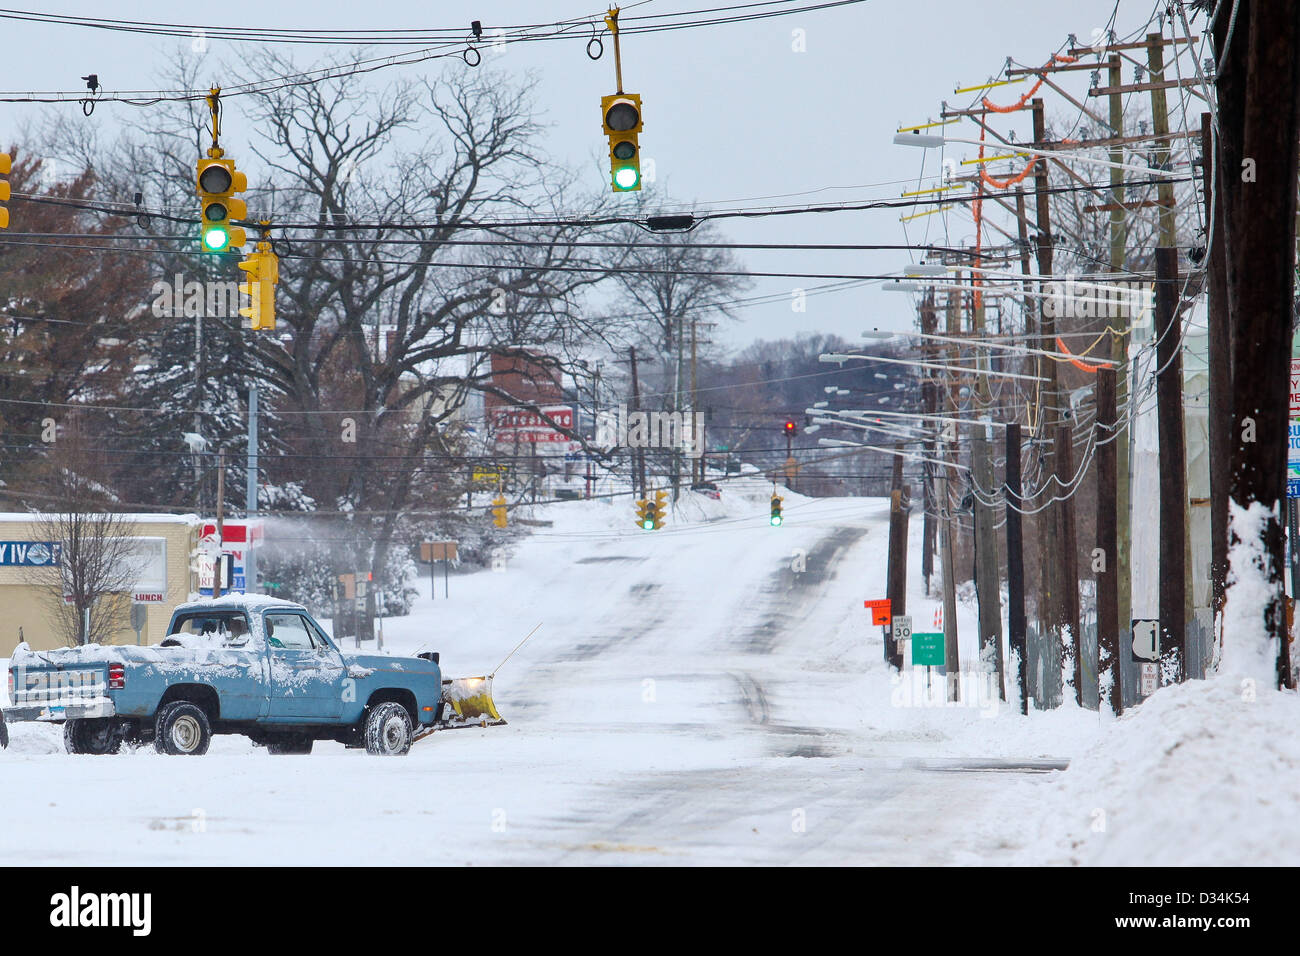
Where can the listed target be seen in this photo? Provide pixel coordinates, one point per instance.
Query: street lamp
(929, 141)
(1017, 349)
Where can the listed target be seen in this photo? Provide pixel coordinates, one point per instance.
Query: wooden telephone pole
(1259, 142)
(1061, 566)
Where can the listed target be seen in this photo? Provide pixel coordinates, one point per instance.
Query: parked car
(239, 664)
(708, 488)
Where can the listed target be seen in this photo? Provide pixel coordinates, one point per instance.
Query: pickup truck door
(306, 673)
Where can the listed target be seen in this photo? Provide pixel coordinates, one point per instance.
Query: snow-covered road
(690, 698)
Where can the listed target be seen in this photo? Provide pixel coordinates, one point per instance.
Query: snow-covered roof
(251, 601)
(26, 517)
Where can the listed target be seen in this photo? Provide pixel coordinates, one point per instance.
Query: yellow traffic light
(263, 268)
(776, 520)
(499, 511)
(651, 514)
(6, 164)
(621, 117)
(217, 181)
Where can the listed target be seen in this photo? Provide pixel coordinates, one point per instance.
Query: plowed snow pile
(1205, 773)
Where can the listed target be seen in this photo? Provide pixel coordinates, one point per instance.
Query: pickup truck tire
(289, 743)
(388, 730)
(182, 729)
(92, 735)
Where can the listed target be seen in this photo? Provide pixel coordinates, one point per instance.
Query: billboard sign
(29, 554)
(513, 425)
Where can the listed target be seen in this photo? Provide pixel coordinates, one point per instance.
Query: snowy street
(742, 714)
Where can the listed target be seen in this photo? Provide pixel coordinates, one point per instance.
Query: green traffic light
(648, 524)
(626, 177)
(776, 521)
(216, 238)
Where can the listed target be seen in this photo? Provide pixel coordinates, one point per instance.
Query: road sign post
(928, 650)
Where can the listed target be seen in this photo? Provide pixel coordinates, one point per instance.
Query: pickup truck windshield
(229, 627)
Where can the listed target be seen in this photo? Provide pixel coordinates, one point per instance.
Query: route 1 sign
(1146, 640)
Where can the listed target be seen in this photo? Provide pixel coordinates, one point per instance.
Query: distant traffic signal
(650, 513)
(217, 181)
(621, 116)
(776, 520)
(263, 268)
(6, 164)
(790, 428)
(499, 511)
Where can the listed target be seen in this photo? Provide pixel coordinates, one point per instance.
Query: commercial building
(165, 550)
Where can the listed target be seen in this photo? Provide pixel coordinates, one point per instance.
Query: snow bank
(1205, 773)
(1247, 647)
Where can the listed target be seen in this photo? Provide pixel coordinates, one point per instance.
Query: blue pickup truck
(251, 665)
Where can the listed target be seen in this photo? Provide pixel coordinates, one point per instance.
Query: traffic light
(659, 509)
(6, 164)
(776, 520)
(499, 511)
(621, 116)
(790, 428)
(217, 182)
(263, 268)
(650, 514)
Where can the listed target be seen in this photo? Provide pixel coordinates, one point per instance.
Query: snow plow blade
(469, 702)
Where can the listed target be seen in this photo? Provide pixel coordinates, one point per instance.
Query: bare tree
(94, 563)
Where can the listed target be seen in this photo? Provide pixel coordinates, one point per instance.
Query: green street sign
(927, 650)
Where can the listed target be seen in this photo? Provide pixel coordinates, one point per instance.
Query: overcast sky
(732, 113)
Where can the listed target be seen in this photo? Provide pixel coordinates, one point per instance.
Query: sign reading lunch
(29, 554)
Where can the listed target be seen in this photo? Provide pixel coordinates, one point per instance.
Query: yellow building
(165, 546)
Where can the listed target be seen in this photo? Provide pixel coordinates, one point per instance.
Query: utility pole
(200, 373)
(1173, 466)
(638, 454)
(1063, 458)
(929, 400)
(988, 584)
(951, 657)
(677, 407)
(951, 650)
(1259, 115)
(1220, 368)
(219, 561)
(1061, 568)
(1015, 562)
(1107, 441)
(250, 496)
(1169, 240)
(897, 568)
(1119, 354)
(695, 392)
